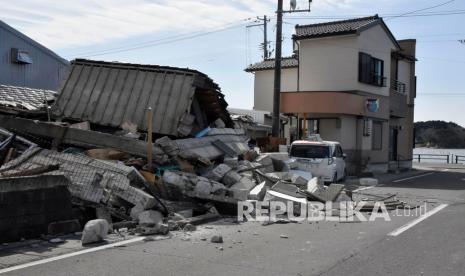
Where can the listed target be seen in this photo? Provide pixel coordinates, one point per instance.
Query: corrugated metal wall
(111, 93)
(46, 72)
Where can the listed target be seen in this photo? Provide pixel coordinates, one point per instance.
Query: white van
(323, 159)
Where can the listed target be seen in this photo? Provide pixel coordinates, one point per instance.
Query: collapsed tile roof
(334, 28)
(110, 93)
(17, 99)
(286, 62)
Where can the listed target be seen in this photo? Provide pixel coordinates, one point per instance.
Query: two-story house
(350, 81)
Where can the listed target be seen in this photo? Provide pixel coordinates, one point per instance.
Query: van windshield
(310, 151)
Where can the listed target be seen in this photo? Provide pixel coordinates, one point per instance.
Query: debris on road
(95, 231)
(217, 239)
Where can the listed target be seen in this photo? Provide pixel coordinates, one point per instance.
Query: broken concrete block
(134, 195)
(217, 239)
(135, 211)
(231, 161)
(298, 180)
(203, 187)
(167, 145)
(231, 178)
(162, 229)
(219, 123)
(150, 217)
(247, 183)
(368, 181)
(218, 188)
(175, 179)
(218, 172)
(313, 185)
(299, 203)
(239, 191)
(94, 231)
(189, 227)
(184, 130)
(265, 160)
(258, 192)
(158, 229)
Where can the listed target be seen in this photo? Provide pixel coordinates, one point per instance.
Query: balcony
(398, 86)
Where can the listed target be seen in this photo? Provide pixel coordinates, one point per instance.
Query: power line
(424, 9)
(350, 16)
(161, 41)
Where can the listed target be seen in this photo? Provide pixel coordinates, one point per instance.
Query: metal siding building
(46, 70)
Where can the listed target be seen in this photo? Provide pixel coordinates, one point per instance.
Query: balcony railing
(399, 86)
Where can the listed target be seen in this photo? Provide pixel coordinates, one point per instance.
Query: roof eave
(296, 37)
(265, 69)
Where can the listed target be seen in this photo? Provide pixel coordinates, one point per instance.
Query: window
(371, 70)
(338, 152)
(309, 151)
(377, 135)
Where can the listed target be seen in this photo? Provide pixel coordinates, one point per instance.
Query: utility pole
(277, 65)
(265, 36)
(275, 130)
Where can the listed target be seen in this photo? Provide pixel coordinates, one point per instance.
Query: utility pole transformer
(277, 65)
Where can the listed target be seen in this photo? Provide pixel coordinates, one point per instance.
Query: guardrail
(459, 158)
(438, 157)
(445, 158)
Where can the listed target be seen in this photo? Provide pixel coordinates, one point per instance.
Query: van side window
(337, 151)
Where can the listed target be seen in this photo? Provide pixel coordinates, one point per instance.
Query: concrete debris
(218, 172)
(265, 160)
(157, 229)
(217, 239)
(189, 227)
(258, 192)
(367, 181)
(150, 217)
(95, 231)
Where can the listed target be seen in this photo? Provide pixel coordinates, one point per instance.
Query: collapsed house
(94, 149)
(183, 101)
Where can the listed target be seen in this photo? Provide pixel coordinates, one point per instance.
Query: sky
(210, 36)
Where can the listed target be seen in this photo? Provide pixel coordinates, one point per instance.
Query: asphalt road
(434, 246)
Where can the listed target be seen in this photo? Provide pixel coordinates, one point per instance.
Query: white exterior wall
(328, 64)
(403, 74)
(331, 63)
(264, 83)
(374, 41)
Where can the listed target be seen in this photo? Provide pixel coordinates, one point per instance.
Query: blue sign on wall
(372, 105)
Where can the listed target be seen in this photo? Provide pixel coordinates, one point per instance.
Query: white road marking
(363, 189)
(72, 254)
(414, 222)
(412, 177)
